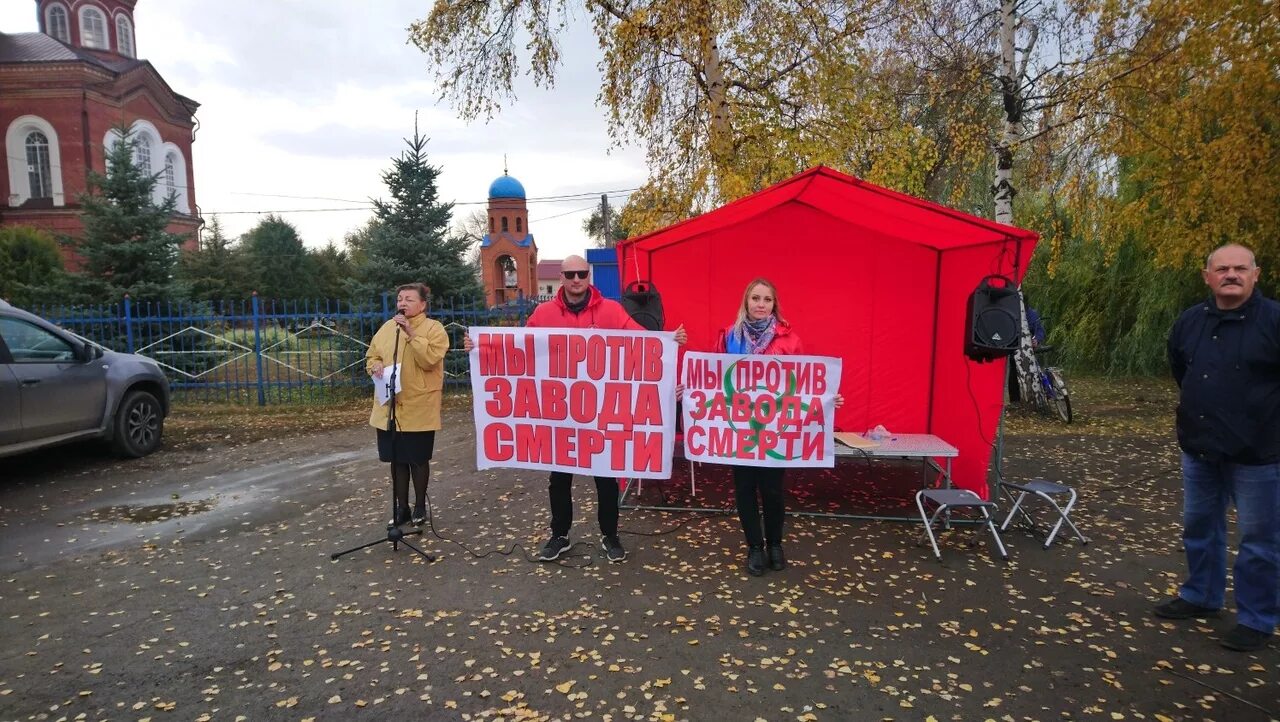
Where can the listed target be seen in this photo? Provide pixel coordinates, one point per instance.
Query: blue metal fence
(263, 350)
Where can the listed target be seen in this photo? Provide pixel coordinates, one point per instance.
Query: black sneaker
(1245, 639)
(777, 560)
(419, 514)
(612, 547)
(755, 561)
(1179, 608)
(554, 547)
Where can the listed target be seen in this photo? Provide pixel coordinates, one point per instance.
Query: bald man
(581, 305)
(1225, 355)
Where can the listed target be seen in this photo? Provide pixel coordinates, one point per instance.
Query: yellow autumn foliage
(1148, 121)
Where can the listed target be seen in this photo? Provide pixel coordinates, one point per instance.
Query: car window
(29, 343)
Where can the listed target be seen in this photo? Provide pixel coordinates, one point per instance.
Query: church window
(56, 23)
(33, 161)
(504, 224)
(170, 184)
(491, 224)
(39, 169)
(173, 179)
(142, 153)
(124, 36)
(519, 224)
(93, 28)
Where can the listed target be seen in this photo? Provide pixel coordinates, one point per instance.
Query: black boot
(401, 515)
(755, 561)
(777, 561)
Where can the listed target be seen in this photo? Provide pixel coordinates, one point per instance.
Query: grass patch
(200, 425)
(192, 425)
(1142, 405)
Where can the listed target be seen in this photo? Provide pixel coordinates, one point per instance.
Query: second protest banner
(759, 410)
(586, 401)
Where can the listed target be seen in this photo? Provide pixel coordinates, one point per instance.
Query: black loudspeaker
(642, 302)
(993, 321)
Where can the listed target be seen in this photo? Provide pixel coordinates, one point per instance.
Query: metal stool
(1045, 490)
(948, 499)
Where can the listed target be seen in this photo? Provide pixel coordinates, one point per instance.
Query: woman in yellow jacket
(407, 440)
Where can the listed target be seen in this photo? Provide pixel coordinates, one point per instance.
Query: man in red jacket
(581, 305)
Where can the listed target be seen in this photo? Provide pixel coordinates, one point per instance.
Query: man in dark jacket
(1225, 356)
(581, 305)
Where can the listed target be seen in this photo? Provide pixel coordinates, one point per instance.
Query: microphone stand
(395, 534)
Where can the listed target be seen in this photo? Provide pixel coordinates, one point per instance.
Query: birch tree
(1011, 77)
(1040, 66)
(726, 96)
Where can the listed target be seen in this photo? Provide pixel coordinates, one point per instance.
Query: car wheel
(139, 424)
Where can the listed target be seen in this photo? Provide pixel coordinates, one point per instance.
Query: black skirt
(411, 447)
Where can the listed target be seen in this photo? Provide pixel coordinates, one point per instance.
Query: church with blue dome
(508, 253)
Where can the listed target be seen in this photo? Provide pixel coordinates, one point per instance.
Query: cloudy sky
(304, 103)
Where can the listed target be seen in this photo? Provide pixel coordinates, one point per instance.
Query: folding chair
(948, 499)
(1045, 490)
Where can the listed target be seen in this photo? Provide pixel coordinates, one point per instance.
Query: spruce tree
(410, 241)
(281, 267)
(215, 270)
(332, 268)
(126, 246)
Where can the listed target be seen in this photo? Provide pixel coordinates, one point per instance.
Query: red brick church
(63, 90)
(508, 253)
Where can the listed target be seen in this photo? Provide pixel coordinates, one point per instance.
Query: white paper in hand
(382, 386)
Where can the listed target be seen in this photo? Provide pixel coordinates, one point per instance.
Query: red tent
(878, 278)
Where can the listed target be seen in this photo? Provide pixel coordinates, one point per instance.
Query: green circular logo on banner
(755, 425)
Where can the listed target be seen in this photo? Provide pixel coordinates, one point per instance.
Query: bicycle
(1047, 385)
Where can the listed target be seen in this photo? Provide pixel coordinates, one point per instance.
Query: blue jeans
(1208, 488)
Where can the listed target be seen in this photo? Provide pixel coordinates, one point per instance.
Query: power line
(296, 198)
(545, 199)
(558, 215)
(364, 205)
(285, 210)
(368, 208)
(563, 197)
(554, 199)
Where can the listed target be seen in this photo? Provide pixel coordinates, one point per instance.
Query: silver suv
(56, 387)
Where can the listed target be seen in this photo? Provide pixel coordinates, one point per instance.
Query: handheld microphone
(397, 318)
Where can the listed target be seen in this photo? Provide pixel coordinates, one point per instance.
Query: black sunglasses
(575, 274)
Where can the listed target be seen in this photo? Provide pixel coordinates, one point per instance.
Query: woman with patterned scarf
(761, 329)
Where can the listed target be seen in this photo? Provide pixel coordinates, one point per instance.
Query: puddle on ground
(135, 514)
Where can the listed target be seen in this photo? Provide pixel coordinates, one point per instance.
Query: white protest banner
(759, 410)
(585, 401)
